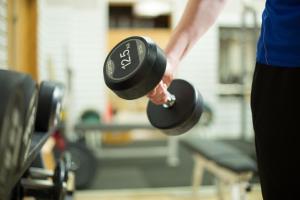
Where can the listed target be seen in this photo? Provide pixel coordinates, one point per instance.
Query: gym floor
(148, 179)
(143, 173)
(166, 194)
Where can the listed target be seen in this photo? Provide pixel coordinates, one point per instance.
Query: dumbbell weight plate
(84, 162)
(59, 177)
(30, 97)
(44, 184)
(183, 115)
(12, 111)
(49, 105)
(29, 89)
(134, 67)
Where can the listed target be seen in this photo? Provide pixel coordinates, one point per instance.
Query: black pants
(275, 103)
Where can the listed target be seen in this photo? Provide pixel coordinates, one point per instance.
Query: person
(275, 99)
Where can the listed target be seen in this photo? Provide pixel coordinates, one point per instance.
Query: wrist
(173, 62)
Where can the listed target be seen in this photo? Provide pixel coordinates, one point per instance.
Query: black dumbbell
(134, 67)
(49, 106)
(84, 164)
(38, 184)
(12, 112)
(29, 87)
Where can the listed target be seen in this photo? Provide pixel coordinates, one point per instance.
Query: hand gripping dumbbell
(134, 67)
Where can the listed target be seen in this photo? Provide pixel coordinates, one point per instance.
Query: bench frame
(237, 181)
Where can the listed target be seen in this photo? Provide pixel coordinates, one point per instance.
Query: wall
(72, 35)
(201, 68)
(3, 34)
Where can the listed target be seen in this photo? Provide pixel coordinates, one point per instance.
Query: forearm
(198, 17)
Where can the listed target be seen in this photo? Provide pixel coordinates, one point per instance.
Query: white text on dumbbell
(125, 56)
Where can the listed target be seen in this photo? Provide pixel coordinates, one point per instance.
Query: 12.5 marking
(125, 57)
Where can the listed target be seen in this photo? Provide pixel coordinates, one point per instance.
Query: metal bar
(173, 159)
(110, 127)
(39, 173)
(140, 152)
(36, 184)
(171, 99)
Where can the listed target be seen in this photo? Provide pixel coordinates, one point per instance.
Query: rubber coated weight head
(84, 162)
(183, 115)
(59, 188)
(134, 67)
(49, 106)
(29, 87)
(11, 125)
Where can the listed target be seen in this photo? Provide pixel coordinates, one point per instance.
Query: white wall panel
(3, 34)
(74, 36)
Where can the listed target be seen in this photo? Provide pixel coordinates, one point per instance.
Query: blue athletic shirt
(279, 42)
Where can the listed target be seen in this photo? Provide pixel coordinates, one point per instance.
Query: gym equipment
(30, 96)
(183, 115)
(228, 164)
(90, 117)
(49, 106)
(134, 67)
(12, 111)
(207, 116)
(38, 186)
(85, 164)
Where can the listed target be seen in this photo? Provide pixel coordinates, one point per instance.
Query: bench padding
(222, 154)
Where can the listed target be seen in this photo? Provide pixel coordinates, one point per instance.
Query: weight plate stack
(12, 112)
(30, 97)
(49, 106)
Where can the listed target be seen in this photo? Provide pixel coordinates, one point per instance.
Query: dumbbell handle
(38, 173)
(171, 99)
(36, 184)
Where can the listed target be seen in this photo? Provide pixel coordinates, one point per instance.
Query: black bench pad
(222, 154)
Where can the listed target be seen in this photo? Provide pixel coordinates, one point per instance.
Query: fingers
(159, 95)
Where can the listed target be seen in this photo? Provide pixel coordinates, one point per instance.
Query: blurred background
(117, 153)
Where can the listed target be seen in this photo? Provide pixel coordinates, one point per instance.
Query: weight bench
(229, 165)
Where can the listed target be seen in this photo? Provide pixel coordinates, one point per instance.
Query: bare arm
(198, 17)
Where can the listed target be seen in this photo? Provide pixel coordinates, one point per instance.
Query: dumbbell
(12, 112)
(49, 106)
(85, 163)
(45, 184)
(30, 89)
(134, 67)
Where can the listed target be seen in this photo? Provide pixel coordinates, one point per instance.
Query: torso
(279, 43)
